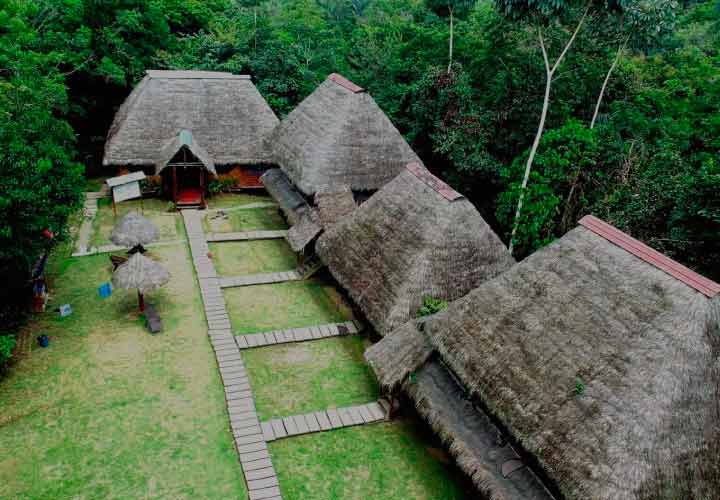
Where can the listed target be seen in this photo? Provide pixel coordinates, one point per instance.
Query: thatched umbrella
(134, 231)
(141, 274)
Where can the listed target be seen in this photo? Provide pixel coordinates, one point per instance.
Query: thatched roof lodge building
(598, 358)
(197, 123)
(338, 137)
(415, 237)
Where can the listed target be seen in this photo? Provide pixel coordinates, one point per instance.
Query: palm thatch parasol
(142, 274)
(134, 231)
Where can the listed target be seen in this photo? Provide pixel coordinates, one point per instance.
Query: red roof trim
(344, 82)
(433, 182)
(652, 257)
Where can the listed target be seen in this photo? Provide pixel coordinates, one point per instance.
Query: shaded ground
(237, 258)
(109, 411)
(169, 224)
(252, 219)
(299, 378)
(284, 305)
(389, 461)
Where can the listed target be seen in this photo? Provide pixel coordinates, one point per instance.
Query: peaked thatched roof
(225, 113)
(413, 238)
(140, 273)
(132, 230)
(599, 362)
(339, 136)
(184, 139)
(334, 204)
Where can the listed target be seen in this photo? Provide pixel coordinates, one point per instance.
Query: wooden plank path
(260, 279)
(246, 236)
(303, 334)
(250, 442)
(90, 208)
(325, 420)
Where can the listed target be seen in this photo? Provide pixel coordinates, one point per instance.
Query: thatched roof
(174, 148)
(334, 204)
(304, 231)
(290, 200)
(339, 136)
(601, 361)
(132, 230)
(225, 113)
(140, 273)
(413, 238)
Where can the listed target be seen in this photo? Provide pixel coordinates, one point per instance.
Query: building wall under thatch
(406, 242)
(600, 365)
(225, 113)
(339, 136)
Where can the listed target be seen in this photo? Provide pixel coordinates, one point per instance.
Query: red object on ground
(48, 234)
(651, 256)
(190, 196)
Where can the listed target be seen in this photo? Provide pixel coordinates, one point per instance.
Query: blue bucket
(43, 340)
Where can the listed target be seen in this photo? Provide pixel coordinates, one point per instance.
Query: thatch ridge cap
(345, 83)
(194, 75)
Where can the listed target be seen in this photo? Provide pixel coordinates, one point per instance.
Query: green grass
(109, 411)
(238, 258)
(392, 461)
(310, 376)
(169, 224)
(94, 184)
(284, 305)
(228, 200)
(253, 219)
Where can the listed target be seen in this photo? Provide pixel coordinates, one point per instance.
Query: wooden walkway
(325, 420)
(303, 334)
(260, 279)
(90, 208)
(246, 236)
(252, 447)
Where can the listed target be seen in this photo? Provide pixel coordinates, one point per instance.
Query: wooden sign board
(127, 191)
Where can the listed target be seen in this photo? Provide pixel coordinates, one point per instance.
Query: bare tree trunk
(452, 26)
(255, 29)
(549, 73)
(607, 79)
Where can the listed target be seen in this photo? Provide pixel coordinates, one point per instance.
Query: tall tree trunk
(549, 73)
(607, 79)
(452, 26)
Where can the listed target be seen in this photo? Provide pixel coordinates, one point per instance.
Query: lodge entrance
(190, 183)
(185, 168)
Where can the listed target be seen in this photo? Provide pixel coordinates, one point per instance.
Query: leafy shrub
(431, 306)
(7, 344)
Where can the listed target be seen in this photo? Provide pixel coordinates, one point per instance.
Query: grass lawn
(392, 461)
(169, 224)
(299, 378)
(109, 411)
(268, 218)
(228, 200)
(284, 305)
(237, 258)
(94, 184)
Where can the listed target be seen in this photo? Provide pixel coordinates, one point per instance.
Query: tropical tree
(451, 9)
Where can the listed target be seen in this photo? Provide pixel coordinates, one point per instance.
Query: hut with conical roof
(415, 237)
(589, 370)
(189, 125)
(339, 137)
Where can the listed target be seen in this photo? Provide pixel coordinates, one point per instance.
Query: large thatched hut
(338, 136)
(415, 237)
(598, 358)
(187, 126)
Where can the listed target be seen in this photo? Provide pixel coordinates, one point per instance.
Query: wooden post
(202, 186)
(114, 207)
(141, 301)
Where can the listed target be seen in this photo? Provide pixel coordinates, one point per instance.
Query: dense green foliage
(650, 164)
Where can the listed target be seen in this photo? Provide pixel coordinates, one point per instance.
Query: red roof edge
(344, 82)
(433, 182)
(653, 257)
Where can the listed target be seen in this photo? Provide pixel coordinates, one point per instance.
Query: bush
(431, 306)
(7, 344)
